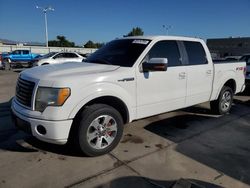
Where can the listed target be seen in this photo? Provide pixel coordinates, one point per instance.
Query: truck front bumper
(56, 132)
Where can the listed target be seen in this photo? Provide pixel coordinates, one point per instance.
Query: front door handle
(126, 79)
(209, 72)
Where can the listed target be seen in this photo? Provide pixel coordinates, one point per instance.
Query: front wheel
(224, 102)
(99, 131)
(7, 64)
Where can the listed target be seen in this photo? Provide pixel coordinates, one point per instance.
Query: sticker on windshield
(145, 42)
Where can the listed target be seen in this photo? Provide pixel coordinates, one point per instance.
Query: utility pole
(49, 8)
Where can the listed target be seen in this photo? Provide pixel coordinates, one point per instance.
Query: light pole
(49, 8)
(167, 27)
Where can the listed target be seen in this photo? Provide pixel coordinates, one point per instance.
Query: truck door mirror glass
(155, 64)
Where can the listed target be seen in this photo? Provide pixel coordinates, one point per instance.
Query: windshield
(122, 52)
(49, 55)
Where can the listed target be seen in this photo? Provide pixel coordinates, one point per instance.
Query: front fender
(92, 92)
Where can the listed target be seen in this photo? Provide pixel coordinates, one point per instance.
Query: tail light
(243, 69)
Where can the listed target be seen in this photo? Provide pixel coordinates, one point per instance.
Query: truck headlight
(50, 97)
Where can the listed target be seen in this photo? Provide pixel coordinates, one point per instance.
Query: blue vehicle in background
(21, 55)
(18, 58)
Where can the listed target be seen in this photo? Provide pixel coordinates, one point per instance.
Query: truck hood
(64, 71)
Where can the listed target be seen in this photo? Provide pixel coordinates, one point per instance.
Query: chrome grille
(24, 91)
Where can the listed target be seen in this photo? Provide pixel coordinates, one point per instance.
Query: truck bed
(222, 72)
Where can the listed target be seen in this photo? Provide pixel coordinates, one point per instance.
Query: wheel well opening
(116, 103)
(231, 83)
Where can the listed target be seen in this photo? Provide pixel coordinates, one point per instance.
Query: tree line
(61, 41)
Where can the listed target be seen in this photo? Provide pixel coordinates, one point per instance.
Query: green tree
(99, 45)
(136, 31)
(61, 41)
(91, 44)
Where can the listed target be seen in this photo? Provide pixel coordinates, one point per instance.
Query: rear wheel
(99, 129)
(224, 102)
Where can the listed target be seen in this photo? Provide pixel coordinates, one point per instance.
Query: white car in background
(57, 58)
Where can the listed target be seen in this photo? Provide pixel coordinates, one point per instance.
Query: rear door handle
(182, 75)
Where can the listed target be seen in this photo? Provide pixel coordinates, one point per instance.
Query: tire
(98, 130)
(7, 64)
(224, 102)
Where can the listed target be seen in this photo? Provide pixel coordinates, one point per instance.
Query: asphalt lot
(191, 144)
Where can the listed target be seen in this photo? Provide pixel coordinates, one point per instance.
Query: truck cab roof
(162, 37)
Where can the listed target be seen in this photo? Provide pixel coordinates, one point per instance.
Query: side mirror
(155, 64)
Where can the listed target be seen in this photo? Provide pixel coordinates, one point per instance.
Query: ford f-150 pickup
(127, 79)
(18, 58)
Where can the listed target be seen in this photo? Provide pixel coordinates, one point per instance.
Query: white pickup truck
(126, 80)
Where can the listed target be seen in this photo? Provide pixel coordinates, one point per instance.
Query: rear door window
(196, 53)
(25, 52)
